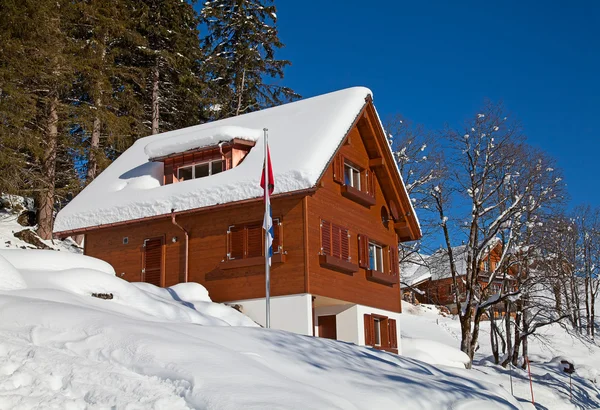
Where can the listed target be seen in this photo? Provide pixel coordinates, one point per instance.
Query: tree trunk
(587, 303)
(240, 93)
(494, 337)
(45, 216)
(92, 164)
(155, 99)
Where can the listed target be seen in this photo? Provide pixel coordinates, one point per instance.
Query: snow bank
(150, 348)
(10, 278)
(192, 140)
(47, 260)
(433, 352)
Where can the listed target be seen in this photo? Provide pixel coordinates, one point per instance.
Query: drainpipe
(187, 241)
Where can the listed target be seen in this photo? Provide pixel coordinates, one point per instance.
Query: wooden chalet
(431, 281)
(186, 206)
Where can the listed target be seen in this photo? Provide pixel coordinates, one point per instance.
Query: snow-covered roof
(303, 137)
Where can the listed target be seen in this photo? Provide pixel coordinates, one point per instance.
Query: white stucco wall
(365, 310)
(292, 313)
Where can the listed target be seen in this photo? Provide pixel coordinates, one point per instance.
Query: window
(351, 176)
(247, 241)
(486, 265)
(380, 332)
(200, 170)
(375, 257)
(377, 332)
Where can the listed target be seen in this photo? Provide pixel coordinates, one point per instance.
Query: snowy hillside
(433, 338)
(174, 349)
(15, 208)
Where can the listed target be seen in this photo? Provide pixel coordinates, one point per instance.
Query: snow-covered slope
(150, 348)
(433, 338)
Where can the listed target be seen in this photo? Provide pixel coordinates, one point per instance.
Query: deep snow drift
(174, 349)
(433, 338)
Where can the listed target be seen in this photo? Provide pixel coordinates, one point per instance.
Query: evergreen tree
(240, 45)
(170, 59)
(36, 73)
(107, 81)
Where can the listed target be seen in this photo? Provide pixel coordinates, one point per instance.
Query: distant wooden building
(430, 281)
(186, 206)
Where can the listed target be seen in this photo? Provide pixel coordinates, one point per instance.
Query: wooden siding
(208, 250)
(328, 204)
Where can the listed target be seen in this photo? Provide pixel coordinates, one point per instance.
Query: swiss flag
(270, 170)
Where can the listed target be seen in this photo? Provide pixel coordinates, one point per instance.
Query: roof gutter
(187, 246)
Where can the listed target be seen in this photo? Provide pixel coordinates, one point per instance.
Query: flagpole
(267, 212)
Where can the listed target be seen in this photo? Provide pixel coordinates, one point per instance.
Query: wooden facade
(372, 216)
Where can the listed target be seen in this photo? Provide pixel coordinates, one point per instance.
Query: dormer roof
(303, 138)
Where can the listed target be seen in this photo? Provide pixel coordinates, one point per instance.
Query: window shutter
(393, 334)
(369, 331)
(255, 240)
(326, 237)
(338, 169)
(345, 243)
(371, 183)
(236, 243)
(168, 171)
(394, 263)
(363, 251)
(153, 261)
(336, 241)
(276, 235)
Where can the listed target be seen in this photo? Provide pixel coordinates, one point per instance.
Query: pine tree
(107, 80)
(36, 73)
(240, 45)
(170, 60)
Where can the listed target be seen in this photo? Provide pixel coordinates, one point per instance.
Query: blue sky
(436, 61)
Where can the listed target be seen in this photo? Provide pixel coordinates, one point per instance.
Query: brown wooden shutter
(236, 242)
(336, 241)
(168, 171)
(369, 330)
(276, 235)
(338, 169)
(345, 244)
(394, 263)
(326, 237)
(255, 240)
(392, 332)
(371, 183)
(363, 251)
(153, 255)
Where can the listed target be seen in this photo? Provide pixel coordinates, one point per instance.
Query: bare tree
(497, 184)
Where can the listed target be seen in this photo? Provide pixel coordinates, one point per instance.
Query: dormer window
(200, 170)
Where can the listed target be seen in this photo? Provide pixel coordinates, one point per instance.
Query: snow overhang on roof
(303, 137)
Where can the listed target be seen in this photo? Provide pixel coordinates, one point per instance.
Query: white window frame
(193, 166)
(353, 170)
(486, 265)
(378, 249)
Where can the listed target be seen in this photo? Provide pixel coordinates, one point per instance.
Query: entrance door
(153, 261)
(327, 327)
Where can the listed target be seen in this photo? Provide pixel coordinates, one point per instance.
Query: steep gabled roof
(303, 137)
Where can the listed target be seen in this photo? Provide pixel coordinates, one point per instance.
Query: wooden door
(327, 327)
(152, 271)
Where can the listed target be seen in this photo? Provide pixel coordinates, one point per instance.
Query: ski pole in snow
(530, 382)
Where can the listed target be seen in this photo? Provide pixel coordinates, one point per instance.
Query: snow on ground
(433, 338)
(150, 348)
(9, 226)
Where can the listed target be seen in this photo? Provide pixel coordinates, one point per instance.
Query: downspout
(187, 241)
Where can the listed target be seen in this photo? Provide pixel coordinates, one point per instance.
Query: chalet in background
(186, 205)
(428, 279)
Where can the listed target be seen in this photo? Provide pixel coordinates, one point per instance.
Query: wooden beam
(400, 224)
(376, 162)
